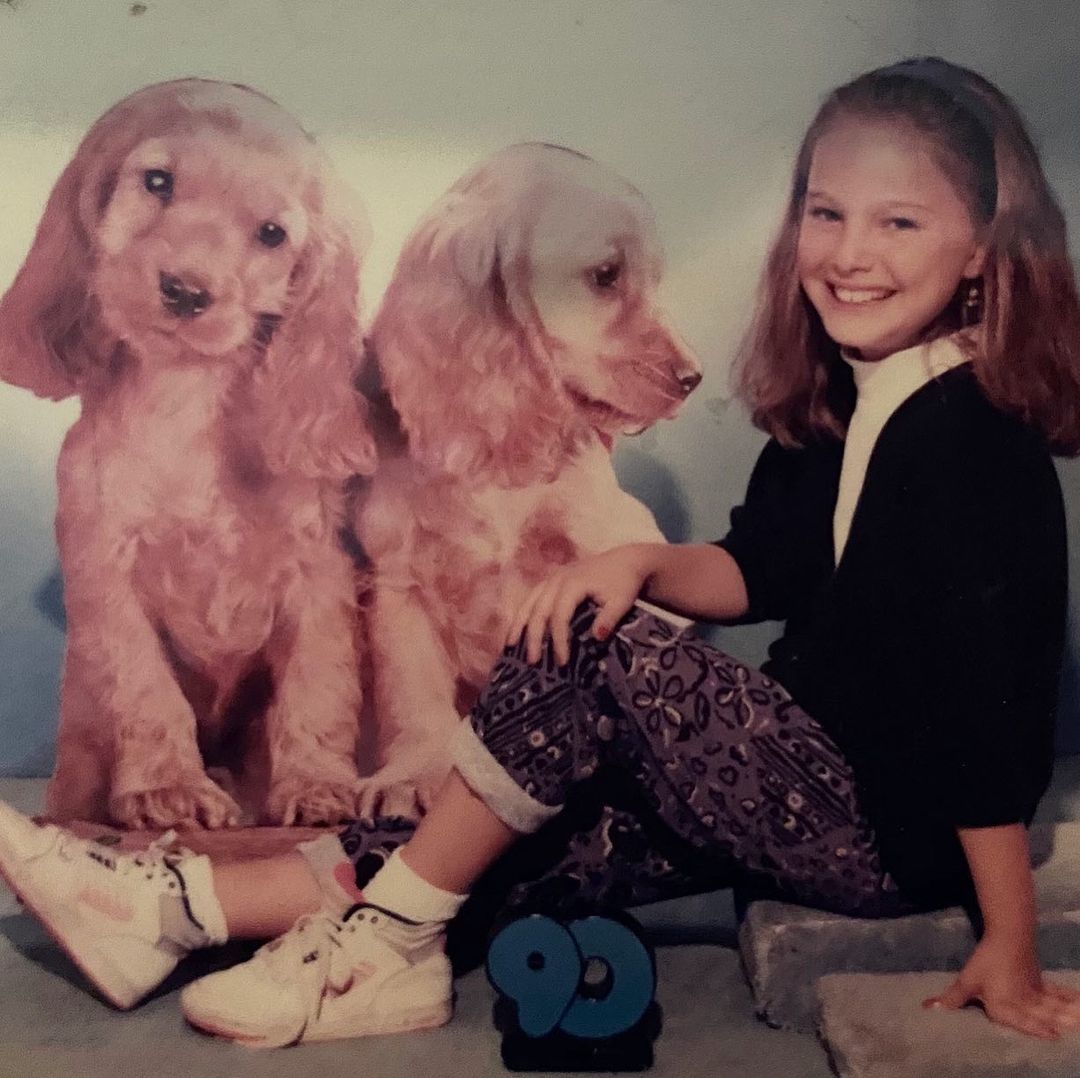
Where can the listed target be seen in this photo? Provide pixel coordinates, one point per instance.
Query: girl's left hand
(1011, 989)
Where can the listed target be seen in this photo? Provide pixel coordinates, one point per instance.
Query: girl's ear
(975, 264)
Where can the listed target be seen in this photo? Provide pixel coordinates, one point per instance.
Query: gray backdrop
(701, 103)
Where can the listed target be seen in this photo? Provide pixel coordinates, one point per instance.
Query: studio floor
(51, 1026)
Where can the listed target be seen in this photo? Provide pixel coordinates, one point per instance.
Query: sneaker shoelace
(312, 942)
(155, 860)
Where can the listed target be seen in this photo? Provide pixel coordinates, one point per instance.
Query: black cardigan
(931, 653)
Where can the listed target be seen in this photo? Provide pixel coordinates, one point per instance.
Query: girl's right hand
(1007, 982)
(613, 580)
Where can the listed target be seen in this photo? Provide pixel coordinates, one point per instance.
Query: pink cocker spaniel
(520, 333)
(194, 281)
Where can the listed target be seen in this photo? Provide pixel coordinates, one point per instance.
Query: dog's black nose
(179, 297)
(689, 382)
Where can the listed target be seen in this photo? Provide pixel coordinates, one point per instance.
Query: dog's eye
(271, 235)
(606, 275)
(158, 182)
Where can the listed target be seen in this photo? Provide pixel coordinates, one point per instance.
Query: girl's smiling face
(885, 237)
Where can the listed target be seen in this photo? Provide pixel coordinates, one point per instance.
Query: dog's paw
(388, 798)
(300, 800)
(189, 805)
(399, 791)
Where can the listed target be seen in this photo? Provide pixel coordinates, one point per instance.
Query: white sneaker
(111, 912)
(372, 972)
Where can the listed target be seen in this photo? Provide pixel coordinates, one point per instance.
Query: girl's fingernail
(600, 632)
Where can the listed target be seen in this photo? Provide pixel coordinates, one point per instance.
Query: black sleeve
(992, 533)
(780, 537)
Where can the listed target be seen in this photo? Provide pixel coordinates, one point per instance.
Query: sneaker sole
(425, 1018)
(94, 966)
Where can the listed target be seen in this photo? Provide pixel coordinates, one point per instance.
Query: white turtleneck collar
(881, 387)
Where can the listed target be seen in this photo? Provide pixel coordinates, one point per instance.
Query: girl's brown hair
(1026, 354)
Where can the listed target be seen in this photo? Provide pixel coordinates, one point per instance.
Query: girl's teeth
(850, 295)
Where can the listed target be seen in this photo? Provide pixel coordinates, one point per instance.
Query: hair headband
(937, 72)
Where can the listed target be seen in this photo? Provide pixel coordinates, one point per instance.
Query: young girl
(914, 360)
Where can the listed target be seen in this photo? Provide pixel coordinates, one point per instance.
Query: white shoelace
(154, 860)
(311, 941)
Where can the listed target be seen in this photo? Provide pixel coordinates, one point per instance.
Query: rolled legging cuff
(490, 782)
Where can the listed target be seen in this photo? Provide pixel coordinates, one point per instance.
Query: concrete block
(874, 1026)
(786, 948)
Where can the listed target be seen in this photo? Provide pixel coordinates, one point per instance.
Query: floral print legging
(677, 769)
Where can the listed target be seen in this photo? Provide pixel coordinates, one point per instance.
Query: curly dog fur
(520, 333)
(194, 281)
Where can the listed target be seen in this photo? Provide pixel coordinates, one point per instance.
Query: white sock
(397, 888)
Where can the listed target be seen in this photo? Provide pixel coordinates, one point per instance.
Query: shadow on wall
(49, 599)
(651, 481)
(38, 763)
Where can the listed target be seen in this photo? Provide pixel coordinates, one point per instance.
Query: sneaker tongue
(306, 944)
(340, 973)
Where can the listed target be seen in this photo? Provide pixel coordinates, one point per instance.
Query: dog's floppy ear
(313, 421)
(473, 396)
(46, 313)
(463, 234)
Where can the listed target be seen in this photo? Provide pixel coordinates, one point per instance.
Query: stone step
(786, 948)
(873, 1026)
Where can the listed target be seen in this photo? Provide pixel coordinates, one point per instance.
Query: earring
(969, 313)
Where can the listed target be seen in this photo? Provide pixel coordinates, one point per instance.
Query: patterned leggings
(650, 766)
